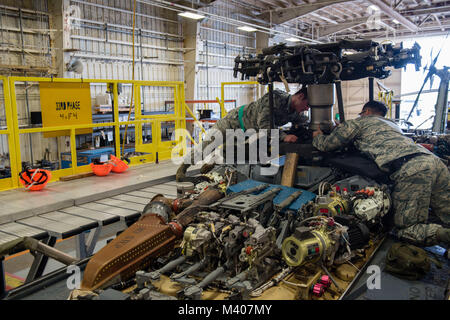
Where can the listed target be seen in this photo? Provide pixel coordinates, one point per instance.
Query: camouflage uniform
(256, 116)
(420, 182)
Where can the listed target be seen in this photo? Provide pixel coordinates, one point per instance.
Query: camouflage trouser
(422, 182)
(230, 121)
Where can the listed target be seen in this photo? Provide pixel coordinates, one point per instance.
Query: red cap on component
(318, 290)
(176, 228)
(325, 281)
(176, 205)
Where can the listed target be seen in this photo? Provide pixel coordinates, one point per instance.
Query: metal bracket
(247, 202)
(2, 279)
(85, 248)
(40, 261)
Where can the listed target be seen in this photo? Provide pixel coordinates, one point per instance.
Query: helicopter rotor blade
(429, 75)
(418, 95)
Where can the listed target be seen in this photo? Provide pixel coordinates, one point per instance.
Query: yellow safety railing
(386, 98)
(162, 148)
(223, 111)
(156, 150)
(12, 182)
(197, 122)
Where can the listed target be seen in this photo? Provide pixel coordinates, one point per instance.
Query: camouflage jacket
(256, 114)
(378, 138)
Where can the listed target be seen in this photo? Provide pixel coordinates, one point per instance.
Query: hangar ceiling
(325, 20)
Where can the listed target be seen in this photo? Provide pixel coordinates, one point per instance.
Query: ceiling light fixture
(395, 21)
(248, 29)
(292, 39)
(191, 15)
(374, 7)
(217, 18)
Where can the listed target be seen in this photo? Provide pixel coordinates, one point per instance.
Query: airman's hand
(290, 138)
(317, 132)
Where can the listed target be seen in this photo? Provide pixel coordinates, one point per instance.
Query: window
(423, 116)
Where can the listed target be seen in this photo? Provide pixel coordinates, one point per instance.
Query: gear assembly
(239, 234)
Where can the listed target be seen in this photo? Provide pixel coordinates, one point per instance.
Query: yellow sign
(65, 104)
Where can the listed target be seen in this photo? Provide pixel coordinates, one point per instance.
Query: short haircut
(377, 107)
(304, 91)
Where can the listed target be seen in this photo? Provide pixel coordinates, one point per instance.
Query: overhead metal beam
(397, 4)
(279, 16)
(250, 7)
(318, 16)
(344, 13)
(274, 3)
(438, 21)
(249, 17)
(424, 32)
(287, 3)
(292, 2)
(422, 10)
(425, 19)
(382, 23)
(394, 15)
(323, 32)
(196, 5)
(337, 18)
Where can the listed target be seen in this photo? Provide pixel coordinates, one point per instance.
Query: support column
(371, 89)
(59, 41)
(191, 32)
(58, 37)
(262, 41)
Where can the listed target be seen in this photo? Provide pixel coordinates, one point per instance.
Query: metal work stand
(270, 115)
(271, 104)
(40, 261)
(340, 101)
(370, 89)
(2, 279)
(85, 248)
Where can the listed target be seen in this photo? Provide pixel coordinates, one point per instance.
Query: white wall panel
(221, 44)
(106, 54)
(159, 32)
(24, 36)
(356, 93)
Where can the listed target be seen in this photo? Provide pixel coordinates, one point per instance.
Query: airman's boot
(443, 235)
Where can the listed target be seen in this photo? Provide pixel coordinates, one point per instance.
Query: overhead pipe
(122, 10)
(126, 43)
(181, 8)
(121, 27)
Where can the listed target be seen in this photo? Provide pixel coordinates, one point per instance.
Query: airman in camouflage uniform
(421, 179)
(256, 115)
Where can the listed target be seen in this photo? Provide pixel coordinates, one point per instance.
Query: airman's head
(299, 101)
(373, 108)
